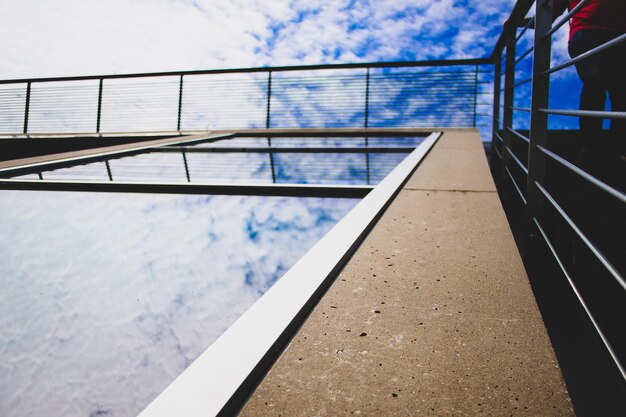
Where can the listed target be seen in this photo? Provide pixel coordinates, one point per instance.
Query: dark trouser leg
(594, 73)
(592, 97)
(617, 92)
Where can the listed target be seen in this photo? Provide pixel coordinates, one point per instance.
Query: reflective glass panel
(281, 160)
(106, 298)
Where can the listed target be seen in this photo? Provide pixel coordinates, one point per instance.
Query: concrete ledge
(433, 315)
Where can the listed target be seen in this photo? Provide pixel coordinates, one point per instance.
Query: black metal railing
(396, 94)
(574, 205)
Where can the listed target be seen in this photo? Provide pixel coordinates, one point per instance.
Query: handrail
(520, 164)
(536, 198)
(524, 55)
(519, 192)
(582, 302)
(391, 64)
(591, 52)
(566, 18)
(529, 24)
(607, 188)
(587, 113)
(520, 9)
(607, 264)
(518, 134)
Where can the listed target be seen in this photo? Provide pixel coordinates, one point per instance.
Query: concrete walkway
(433, 315)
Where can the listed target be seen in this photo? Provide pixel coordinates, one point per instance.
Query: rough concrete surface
(433, 315)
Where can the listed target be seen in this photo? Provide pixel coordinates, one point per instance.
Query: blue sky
(77, 37)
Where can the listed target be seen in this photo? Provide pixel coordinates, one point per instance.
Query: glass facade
(107, 297)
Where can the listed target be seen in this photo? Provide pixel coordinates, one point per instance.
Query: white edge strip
(209, 382)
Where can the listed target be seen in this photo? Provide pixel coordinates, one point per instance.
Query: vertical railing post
(495, 120)
(366, 112)
(186, 166)
(269, 100)
(509, 94)
(271, 155)
(180, 102)
(99, 111)
(109, 172)
(475, 92)
(540, 96)
(497, 83)
(366, 117)
(27, 107)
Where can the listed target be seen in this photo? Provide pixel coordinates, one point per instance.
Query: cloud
(72, 37)
(107, 298)
(87, 37)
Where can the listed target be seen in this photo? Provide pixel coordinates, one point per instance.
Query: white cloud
(106, 299)
(71, 37)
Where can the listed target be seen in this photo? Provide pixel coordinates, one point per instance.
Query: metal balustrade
(526, 159)
(397, 94)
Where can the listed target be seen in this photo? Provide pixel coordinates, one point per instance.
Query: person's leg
(593, 74)
(617, 93)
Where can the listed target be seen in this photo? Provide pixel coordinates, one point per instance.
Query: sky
(41, 38)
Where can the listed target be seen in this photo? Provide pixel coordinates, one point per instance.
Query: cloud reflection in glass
(107, 298)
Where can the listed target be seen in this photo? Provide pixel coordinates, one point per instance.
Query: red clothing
(608, 15)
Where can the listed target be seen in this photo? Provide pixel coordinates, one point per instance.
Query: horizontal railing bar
(524, 109)
(288, 190)
(498, 152)
(395, 64)
(219, 84)
(519, 135)
(47, 95)
(106, 134)
(68, 87)
(587, 113)
(516, 159)
(306, 98)
(318, 81)
(465, 94)
(531, 23)
(587, 54)
(607, 264)
(524, 55)
(377, 83)
(566, 18)
(284, 149)
(406, 74)
(607, 345)
(607, 188)
(497, 135)
(520, 9)
(524, 81)
(519, 191)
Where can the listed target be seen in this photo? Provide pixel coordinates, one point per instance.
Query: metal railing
(524, 155)
(393, 94)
